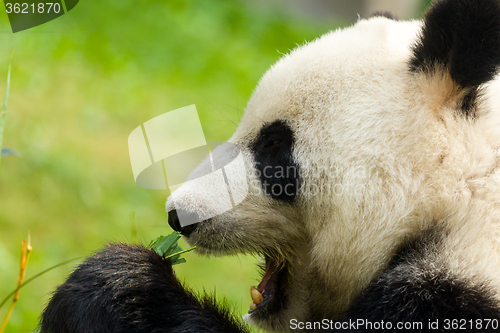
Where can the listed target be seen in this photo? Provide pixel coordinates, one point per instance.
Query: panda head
(350, 144)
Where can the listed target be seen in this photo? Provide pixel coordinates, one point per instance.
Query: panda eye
(272, 142)
(273, 153)
(274, 138)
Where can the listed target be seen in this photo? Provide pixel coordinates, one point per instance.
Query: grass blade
(3, 110)
(36, 276)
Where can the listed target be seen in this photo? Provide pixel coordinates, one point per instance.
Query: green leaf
(178, 261)
(164, 245)
(169, 244)
(167, 247)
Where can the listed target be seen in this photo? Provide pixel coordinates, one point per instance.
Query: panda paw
(126, 288)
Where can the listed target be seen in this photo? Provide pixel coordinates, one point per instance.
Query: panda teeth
(256, 297)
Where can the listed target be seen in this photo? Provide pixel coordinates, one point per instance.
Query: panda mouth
(268, 296)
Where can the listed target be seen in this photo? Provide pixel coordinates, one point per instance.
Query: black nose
(189, 219)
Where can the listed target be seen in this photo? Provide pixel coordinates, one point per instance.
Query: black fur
(464, 37)
(411, 290)
(131, 289)
(386, 14)
(278, 172)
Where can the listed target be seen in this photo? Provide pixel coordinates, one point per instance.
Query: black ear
(463, 37)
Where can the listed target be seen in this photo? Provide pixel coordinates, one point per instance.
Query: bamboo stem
(174, 254)
(25, 254)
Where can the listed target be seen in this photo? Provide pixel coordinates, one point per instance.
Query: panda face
(348, 149)
(314, 158)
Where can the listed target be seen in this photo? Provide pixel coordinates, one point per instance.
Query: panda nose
(189, 218)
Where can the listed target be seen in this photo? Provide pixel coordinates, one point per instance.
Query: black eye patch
(276, 168)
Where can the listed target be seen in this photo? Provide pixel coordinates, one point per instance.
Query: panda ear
(461, 37)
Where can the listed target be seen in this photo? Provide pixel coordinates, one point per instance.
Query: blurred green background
(80, 84)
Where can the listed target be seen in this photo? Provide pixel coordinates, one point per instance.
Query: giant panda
(389, 218)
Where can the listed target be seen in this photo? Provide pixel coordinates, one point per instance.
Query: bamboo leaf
(167, 247)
